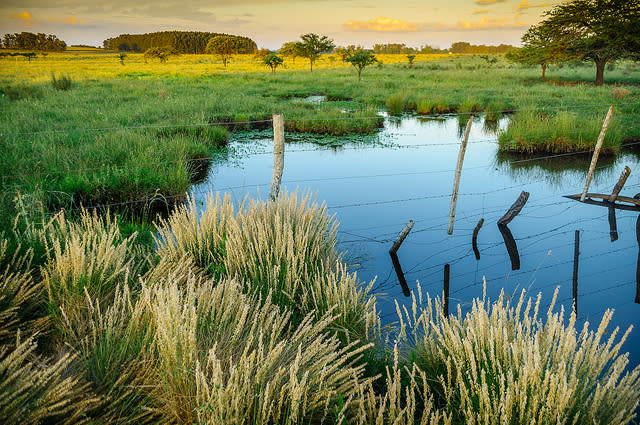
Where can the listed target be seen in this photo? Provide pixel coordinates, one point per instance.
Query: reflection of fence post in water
(512, 248)
(613, 225)
(638, 264)
(474, 238)
(278, 156)
(446, 289)
(576, 256)
(400, 274)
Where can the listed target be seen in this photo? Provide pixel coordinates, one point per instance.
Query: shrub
(620, 93)
(61, 83)
(395, 103)
(500, 363)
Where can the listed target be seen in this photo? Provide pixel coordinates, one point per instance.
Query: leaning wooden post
(515, 208)
(447, 270)
(401, 236)
(456, 180)
(401, 279)
(278, 155)
(576, 256)
(596, 152)
(637, 300)
(621, 181)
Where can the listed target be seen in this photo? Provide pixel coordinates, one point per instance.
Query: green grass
(119, 136)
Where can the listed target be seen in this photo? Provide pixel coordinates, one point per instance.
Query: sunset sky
(272, 22)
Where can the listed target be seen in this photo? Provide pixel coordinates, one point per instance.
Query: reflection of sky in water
(415, 159)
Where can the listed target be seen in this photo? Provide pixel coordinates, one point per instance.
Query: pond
(406, 173)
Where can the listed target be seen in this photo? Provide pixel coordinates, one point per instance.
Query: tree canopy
(160, 53)
(312, 45)
(223, 46)
(291, 49)
(180, 41)
(597, 30)
(30, 41)
(273, 61)
(360, 59)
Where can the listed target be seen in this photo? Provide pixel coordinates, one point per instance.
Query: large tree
(312, 45)
(291, 49)
(596, 30)
(223, 46)
(538, 49)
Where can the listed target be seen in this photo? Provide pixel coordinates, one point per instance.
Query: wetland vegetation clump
(247, 314)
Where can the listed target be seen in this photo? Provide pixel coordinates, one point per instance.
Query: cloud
(27, 19)
(524, 5)
(381, 24)
(488, 2)
(480, 11)
(489, 23)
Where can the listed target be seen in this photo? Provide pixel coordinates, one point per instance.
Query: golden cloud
(27, 19)
(487, 23)
(488, 2)
(381, 24)
(524, 5)
(480, 11)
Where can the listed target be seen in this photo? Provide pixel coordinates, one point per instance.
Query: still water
(406, 173)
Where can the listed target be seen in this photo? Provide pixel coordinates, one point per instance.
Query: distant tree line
(401, 48)
(30, 41)
(464, 47)
(179, 41)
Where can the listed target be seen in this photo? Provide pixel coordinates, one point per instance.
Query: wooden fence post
(401, 237)
(621, 181)
(596, 152)
(456, 180)
(515, 208)
(447, 271)
(576, 256)
(401, 279)
(278, 156)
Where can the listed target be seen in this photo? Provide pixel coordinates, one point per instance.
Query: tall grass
(247, 315)
(502, 363)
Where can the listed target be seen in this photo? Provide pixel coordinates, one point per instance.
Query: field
(232, 314)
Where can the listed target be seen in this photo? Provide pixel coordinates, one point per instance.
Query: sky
(270, 23)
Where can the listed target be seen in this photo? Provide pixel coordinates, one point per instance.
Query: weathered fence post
(474, 238)
(637, 300)
(621, 181)
(515, 208)
(278, 156)
(447, 270)
(576, 256)
(596, 152)
(613, 225)
(401, 236)
(456, 180)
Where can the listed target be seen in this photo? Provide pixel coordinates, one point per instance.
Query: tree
(360, 60)
(160, 53)
(593, 30)
(261, 53)
(291, 49)
(411, 58)
(538, 49)
(312, 45)
(223, 46)
(273, 61)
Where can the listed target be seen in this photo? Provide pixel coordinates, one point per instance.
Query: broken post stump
(474, 238)
(515, 209)
(613, 225)
(510, 243)
(456, 179)
(401, 236)
(621, 181)
(278, 156)
(447, 270)
(596, 153)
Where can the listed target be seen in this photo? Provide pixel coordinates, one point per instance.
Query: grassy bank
(247, 315)
(109, 133)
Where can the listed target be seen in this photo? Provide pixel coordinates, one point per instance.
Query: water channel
(406, 173)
